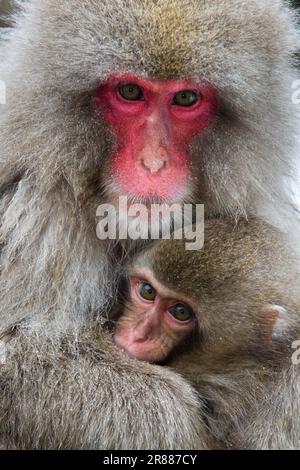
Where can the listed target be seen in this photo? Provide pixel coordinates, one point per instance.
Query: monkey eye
(181, 312)
(186, 98)
(131, 92)
(147, 292)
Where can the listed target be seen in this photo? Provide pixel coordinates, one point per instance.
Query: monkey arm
(273, 422)
(256, 408)
(88, 395)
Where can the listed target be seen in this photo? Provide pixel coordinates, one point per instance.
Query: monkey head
(226, 298)
(164, 100)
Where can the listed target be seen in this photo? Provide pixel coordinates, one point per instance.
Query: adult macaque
(164, 100)
(225, 317)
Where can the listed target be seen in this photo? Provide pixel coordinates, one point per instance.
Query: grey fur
(239, 365)
(56, 277)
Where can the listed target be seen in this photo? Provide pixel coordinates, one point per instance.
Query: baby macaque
(225, 317)
(238, 290)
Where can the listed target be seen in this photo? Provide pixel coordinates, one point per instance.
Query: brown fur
(240, 366)
(6, 7)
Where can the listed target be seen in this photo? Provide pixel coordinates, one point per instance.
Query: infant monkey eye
(186, 98)
(131, 92)
(147, 292)
(181, 312)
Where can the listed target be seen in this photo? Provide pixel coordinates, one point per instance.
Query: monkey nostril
(154, 165)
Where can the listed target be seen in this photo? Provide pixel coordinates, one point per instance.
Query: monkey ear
(275, 319)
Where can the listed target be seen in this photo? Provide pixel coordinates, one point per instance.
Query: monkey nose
(154, 165)
(154, 162)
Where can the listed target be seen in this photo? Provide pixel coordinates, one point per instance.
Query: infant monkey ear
(275, 320)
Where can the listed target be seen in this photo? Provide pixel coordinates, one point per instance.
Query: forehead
(218, 41)
(155, 85)
(169, 39)
(229, 256)
(177, 268)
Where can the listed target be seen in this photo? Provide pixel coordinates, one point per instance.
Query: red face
(154, 323)
(154, 123)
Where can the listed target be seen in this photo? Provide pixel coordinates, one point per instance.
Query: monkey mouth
(144, 351)
(145, 200)
(153, 188)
